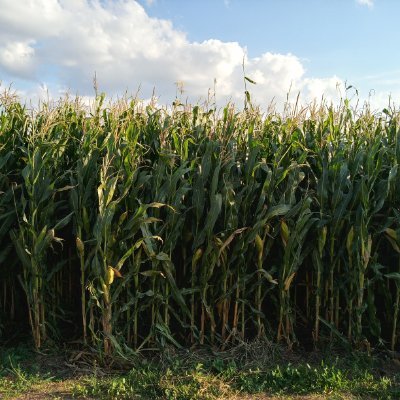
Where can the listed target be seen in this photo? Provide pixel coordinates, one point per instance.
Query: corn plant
(134, 226)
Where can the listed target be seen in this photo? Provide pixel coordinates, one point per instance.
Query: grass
(17, 374)
(200, 375)
(202, 382)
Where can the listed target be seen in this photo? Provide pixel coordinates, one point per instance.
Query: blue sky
(356, 40)
(308, 46)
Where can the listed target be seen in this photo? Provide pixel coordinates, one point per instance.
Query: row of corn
(132, 226)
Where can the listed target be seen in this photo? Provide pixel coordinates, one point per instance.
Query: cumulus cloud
(368, 3)
(61, 44)
(17, 58)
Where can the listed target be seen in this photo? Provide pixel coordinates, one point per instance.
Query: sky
(196, 49)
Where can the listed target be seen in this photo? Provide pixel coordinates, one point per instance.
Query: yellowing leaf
(289, 280)
(196, 257)
(80, 246)
(284, 232)
(391, 233)
(260, 245)
(349, 242)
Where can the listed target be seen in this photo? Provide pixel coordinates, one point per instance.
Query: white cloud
(17, 57)
(368, 3)
(62, 43)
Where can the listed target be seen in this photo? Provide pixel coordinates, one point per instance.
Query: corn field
(131, 227)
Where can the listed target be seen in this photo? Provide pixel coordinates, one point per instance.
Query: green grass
(321, 379)
(22, 370)
(203, 375)
(16, 376)
(202, 382)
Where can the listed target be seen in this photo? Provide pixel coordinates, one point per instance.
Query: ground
(258, 372)
(63, 391)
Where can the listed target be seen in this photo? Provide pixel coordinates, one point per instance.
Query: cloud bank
(58, 45)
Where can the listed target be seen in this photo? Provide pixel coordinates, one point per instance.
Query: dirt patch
(308, 397)
(61, 390)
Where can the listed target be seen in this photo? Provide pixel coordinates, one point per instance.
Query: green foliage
(180, 374)
(141, 382)
(136, 227)
(15, 379)
(226, 381)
